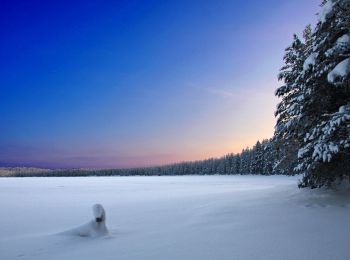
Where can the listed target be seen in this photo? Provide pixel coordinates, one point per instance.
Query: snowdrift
(94, 228)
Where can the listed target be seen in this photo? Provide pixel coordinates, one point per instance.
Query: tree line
(265, 157)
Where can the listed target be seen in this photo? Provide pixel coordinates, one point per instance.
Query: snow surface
(341, 70)
(189, 217)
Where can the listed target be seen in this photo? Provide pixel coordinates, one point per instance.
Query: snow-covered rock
(94, 228)
(340, 71)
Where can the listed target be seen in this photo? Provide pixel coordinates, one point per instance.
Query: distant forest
(264, 158)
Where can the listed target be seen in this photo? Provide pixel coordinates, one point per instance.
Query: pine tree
(324, 157)
(314, 114)
(289, 129)
(257, 159)
(269, 158)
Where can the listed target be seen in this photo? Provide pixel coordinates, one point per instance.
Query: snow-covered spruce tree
(246, 159)
(284, 156)
(269, 157)
(290, 126)
(257, 159)
(320, 113)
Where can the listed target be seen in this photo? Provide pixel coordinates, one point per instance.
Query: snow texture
(189, 217)
(345, 39)
(340, 46)
(344, 109)
(310, 61)
(339, 72)
(326, 9)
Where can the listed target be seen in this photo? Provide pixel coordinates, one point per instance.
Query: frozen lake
(187, 217)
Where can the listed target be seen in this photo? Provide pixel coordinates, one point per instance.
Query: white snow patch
(341, 45)
(333, 148)
(345, 39)
(326, 9)
(344, 109)
(340, 71)
(310, 61)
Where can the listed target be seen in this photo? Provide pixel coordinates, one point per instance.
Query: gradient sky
(133, 83)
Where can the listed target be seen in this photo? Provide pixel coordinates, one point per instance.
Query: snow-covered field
(191, 217)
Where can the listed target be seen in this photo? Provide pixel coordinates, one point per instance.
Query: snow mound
(94, 228)
(345, 39)
(310, 61)
(344, 109)
(341, 45)
(339, 72)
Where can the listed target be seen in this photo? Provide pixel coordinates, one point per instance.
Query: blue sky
(134, 83)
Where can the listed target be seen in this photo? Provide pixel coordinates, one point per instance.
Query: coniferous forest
(312, 133)
(261, 159)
